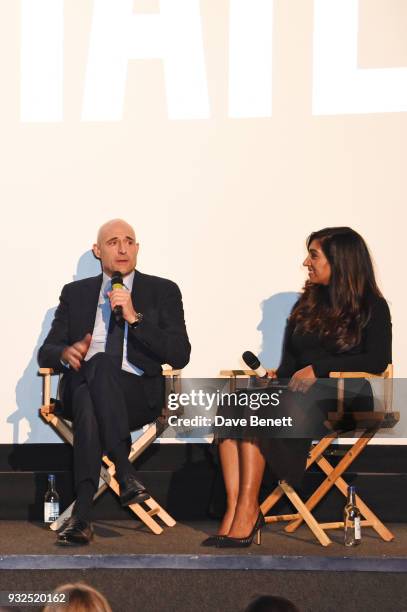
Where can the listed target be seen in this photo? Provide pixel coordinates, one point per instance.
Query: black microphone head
(251, 360)
(117, 278)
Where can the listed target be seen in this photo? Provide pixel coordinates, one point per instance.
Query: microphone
(253, 363)
(117, 283)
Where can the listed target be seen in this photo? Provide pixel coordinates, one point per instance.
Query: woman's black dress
(287, 457)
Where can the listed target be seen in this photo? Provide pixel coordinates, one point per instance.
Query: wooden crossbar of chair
(369, 423)
(107, 473)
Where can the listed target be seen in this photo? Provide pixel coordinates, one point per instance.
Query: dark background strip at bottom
(226, 591)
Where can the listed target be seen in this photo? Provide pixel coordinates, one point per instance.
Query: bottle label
(357, 528)
(51, 511)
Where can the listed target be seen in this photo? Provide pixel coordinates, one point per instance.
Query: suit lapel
(90, 300)
(137, 293)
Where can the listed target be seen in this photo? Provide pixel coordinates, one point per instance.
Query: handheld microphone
(253, 363)
(117, 283)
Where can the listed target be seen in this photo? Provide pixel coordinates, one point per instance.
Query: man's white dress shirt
(99, 335)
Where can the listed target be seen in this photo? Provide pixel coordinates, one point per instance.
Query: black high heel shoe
(228, 542)
(213, 540)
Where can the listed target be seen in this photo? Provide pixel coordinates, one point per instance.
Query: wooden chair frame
(369, 423)
(107, 473)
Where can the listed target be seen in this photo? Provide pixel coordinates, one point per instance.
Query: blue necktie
(115, 337)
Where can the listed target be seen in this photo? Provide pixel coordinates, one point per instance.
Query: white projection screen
(224, 132)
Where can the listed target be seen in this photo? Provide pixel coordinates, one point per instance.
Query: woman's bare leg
(229, 459)
(251, 470)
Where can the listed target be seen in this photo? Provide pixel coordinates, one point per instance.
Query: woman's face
(319, 270)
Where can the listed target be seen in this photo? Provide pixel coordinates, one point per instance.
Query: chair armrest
(354, 375)
(243, 373)
(46, 373)
(388, 373)
(171, 372)
(387, 376)
(47, 408)
(50, 372)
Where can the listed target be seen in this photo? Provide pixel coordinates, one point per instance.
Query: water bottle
(351, 520)
(51, 501)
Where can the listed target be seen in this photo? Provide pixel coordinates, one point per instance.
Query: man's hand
(302, 380)
(76, 353)
(272, 373)
(122, 297)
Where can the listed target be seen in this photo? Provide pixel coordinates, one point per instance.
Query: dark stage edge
(203, 562)
(129, 545)
(141, 572)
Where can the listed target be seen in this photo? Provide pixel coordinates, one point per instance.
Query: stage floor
(137, 570)
(25, 545)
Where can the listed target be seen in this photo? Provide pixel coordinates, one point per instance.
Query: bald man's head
(107, 227)
(116, 247)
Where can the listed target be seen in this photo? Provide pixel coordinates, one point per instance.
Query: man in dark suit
(112, 381)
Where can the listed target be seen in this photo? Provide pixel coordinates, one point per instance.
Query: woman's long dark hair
(340, 311)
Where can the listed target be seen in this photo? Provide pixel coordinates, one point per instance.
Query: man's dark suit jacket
(160, 338)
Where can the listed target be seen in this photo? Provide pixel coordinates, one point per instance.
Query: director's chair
(107, 478)
(341, 422)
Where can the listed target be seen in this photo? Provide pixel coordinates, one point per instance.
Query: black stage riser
(190, 497)
(224, 591)
(186, 480)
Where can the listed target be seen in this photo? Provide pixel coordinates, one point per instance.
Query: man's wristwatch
(139, 318)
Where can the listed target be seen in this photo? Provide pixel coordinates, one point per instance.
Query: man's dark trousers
(106, 403)
(160, 338)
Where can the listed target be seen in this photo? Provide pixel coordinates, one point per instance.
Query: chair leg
(145, 516)
(315, 453)
(143, 441)
(306, 514)
(107, 478)
(271, 500)
(66, 514)
(138, 509)
(160, 512)
(372, 519)
(329, 482)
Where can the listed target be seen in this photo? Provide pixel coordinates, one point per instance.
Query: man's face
(117, 248)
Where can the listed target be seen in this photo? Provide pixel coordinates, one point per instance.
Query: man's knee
(101, 364)
(100, 360)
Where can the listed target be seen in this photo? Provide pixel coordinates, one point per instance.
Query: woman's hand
(272, 373)
(302, 380)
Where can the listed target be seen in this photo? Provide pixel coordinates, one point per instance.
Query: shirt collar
(107, 282)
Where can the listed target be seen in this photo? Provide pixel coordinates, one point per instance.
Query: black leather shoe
(76, 532)
(132, 491)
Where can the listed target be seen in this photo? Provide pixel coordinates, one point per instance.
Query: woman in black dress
(341, 322)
